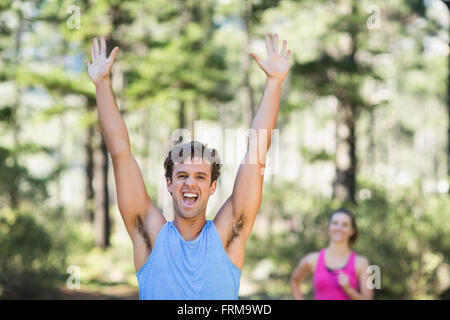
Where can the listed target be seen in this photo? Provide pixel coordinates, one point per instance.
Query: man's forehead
(193, 165)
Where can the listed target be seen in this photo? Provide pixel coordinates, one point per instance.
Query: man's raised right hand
(100, 67)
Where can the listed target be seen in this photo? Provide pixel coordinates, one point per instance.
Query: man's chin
(188, 213)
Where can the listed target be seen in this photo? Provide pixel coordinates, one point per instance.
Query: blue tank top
(195, 270)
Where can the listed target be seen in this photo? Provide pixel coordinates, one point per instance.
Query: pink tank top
(326, 285)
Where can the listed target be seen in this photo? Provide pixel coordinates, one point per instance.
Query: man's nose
(189, 181)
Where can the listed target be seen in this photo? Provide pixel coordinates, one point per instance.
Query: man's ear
(169, 185)
(213, 187)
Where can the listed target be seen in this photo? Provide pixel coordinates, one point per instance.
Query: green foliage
(314, 156)
(16, 181)
(31, 259)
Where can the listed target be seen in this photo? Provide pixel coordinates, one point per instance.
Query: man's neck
(189, 228)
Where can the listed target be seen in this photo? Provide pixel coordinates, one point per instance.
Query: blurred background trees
(363, 124)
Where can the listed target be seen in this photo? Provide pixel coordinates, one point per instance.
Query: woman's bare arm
(302, 270)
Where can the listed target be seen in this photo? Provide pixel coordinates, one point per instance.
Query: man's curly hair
(193, 149)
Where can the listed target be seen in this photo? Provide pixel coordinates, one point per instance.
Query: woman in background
(338, 272)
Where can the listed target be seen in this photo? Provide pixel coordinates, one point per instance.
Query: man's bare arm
(140, 215)
(236, 218)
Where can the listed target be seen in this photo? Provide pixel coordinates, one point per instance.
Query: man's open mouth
(189, 198)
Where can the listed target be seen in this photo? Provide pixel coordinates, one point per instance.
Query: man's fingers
(275, 43)
(283, 48)
(112, 56)
(268, 45)
(103, 47)
(288, 54)
(93, 56)
(96, 47)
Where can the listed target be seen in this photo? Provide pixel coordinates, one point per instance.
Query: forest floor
(106, 292)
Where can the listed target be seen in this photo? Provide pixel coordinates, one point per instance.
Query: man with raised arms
(189, 257)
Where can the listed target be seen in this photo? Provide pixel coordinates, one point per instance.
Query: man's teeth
(190, 195)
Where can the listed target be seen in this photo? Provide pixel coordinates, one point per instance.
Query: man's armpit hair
(143, 232)
(236, 228)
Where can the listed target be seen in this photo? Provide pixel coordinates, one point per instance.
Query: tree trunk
(344, 185)
(106, 219)
(372, 155)
(89, 191)
(15, 123)
(448, 112)
(447, 3)
(60, 161)
(101, 217)
(448, 129)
